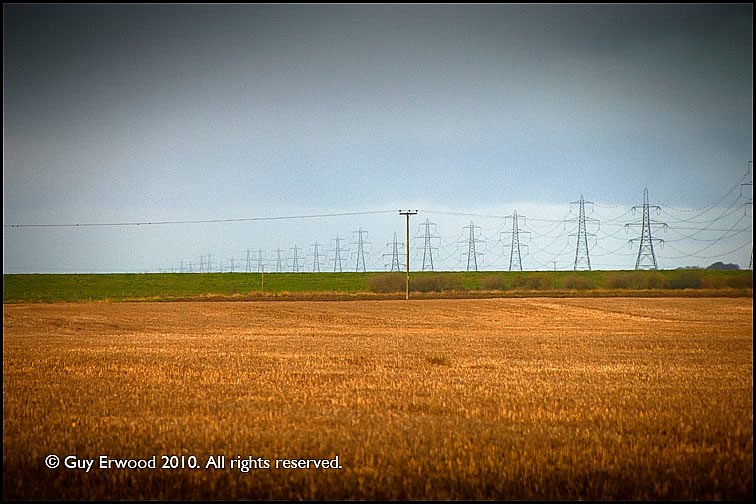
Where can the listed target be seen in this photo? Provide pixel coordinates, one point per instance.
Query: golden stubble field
(437, 399)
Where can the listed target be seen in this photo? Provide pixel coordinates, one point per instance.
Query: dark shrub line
(541, 280)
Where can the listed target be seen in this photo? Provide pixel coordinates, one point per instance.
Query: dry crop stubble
(508, 399)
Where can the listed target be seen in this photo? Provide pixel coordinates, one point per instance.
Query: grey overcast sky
(129, 113)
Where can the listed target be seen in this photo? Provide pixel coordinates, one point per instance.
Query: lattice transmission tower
(296, 266)
(248, 268)
(360, 249)
(429, 234)
(749, 183)
(396, 262)
(746, 204)
(279, 260)
(646, 254)
(472, 254)
(316, 257)
(582, 257)
(260, 261)
(206, 267)
(338, 265)
(515, 257)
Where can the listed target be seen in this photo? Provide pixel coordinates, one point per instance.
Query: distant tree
(722, 266)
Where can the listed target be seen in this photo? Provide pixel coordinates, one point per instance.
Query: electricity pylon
(749, 202)
(248, 269)
(472, 255)
(515, 258)
(337, 261)
(316, 258)
(232, 264)
(360, 249)
(259, 261)
(646, 255)
(295, 266)
(206, 267)
(582, 258)
(749, 183)
(395, 262)
(279, 260)
(428, 237)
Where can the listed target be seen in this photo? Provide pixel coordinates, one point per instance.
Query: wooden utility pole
(407, 213)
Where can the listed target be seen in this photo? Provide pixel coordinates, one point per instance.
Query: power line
(719, 200)
(694, 231)
(207, 221)
(686, 255)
